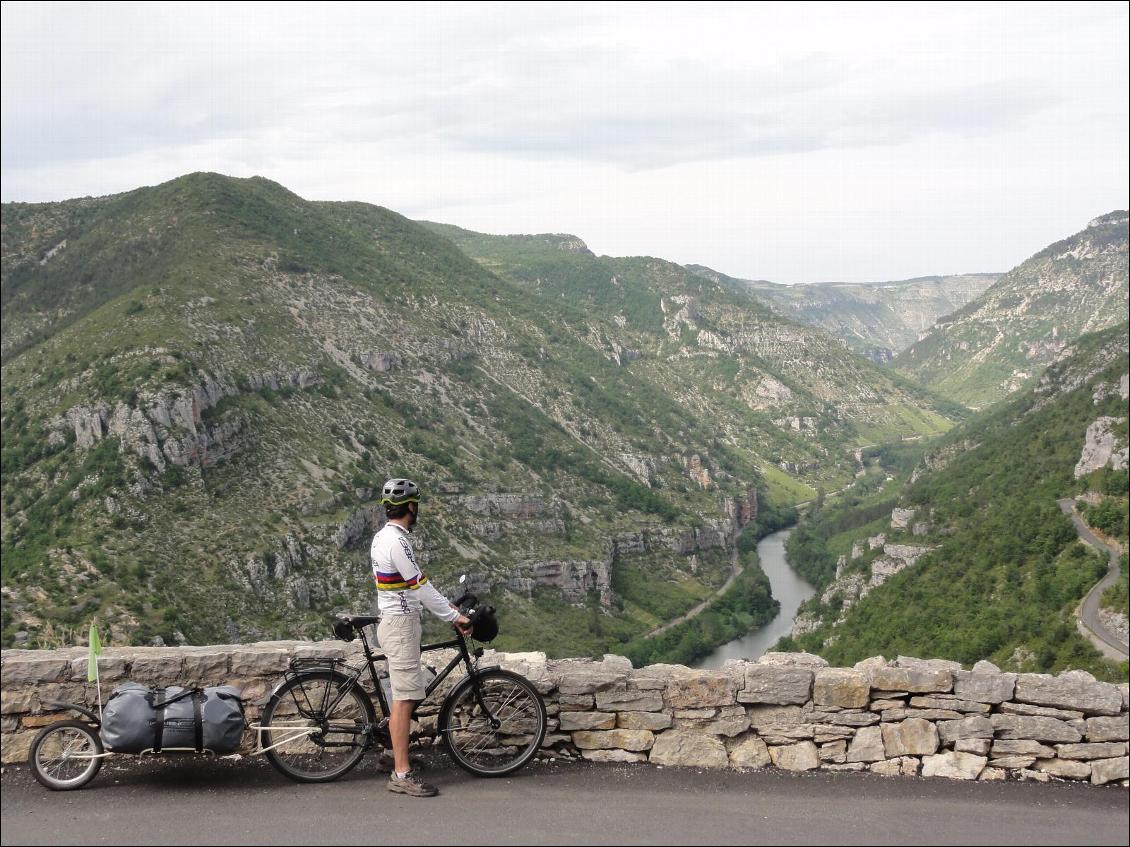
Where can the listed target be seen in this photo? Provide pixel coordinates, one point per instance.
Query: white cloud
(792, 142)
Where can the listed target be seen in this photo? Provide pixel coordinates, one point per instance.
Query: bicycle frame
(372, 733)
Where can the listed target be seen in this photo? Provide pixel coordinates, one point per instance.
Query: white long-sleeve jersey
(402, 588)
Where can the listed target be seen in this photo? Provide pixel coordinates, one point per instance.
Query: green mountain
(204, 381)
(706, 340)
(877, 319)
(1002, 341)
(972, 558)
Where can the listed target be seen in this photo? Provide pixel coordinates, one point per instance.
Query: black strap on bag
(198, 717)
(158, 701)
(159, 723)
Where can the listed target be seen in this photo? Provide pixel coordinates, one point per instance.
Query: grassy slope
(1008, 570)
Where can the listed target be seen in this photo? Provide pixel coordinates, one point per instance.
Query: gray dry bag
(138, 719)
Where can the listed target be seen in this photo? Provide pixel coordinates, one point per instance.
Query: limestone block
(976, 746)
(834, 752)
(954, 765)
(914, 680)
(867, 746)
(1107, 750)
(1038, 729)
(944, 701)
(259, 661)
(902, 766)
(1064, 768)
(206, 667)
(896, 715)
(39, 666)
(804, 660)
(571, 721)
(850, 717)
(696, 689)
(802, 756)
(1026, 747)
(990, 774)
(777, 684)
(750, 753)
(635, 740)
(689, 749)
(789, 734)
(1076, 690)
(1039, 711)
(1013, 762)
(14, 746)
(922, 714)
(843, 688)
(1034, 776)
(926, 664)
(731, 722)
(652, 678)
(625, 700)
(912, 737)
(982, 686)
(695, 714)
(869, 664)
(764, 717)
(613, 756)
(652, 721)
(1107, 770)
(883, 705)
(985, 666)
(581, 679)
(974, 726)
(1109, 729)
(111, 666)
(823, 733)
(14, 700)
(575, 702)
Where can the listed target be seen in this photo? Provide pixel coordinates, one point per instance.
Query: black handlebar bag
(138, 719)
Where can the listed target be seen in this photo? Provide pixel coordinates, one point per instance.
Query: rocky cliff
(879, 319)
(1002, 341)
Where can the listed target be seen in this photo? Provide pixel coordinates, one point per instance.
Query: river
(788, 588)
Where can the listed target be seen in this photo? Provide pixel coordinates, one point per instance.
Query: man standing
(402, 591)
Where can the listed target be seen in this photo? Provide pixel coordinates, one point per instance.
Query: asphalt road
(193, 801)
(1110, 644)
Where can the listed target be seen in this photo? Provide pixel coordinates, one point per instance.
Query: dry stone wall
(908, 717)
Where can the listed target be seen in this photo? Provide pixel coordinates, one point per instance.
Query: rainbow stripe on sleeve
(396, 582)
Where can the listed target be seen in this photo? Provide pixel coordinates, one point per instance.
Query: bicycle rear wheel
(503, 738)
(317, 727)
(66, 755)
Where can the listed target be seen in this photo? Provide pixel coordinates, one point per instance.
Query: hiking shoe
(411, 785)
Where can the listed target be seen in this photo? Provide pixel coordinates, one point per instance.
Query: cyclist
(402, 591)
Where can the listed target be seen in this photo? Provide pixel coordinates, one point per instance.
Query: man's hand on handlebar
(463, 624)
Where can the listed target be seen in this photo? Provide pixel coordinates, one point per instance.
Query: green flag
(95, 652)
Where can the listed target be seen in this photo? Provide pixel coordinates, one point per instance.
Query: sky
(798, 142)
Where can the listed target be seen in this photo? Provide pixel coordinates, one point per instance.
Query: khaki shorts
(399, 638)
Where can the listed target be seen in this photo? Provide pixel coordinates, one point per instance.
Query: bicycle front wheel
(500, 739)
(316, 728)
(66, 755)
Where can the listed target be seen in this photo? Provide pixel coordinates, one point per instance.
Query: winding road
(1090, 625)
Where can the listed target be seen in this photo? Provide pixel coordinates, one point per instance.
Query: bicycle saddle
(357, 621)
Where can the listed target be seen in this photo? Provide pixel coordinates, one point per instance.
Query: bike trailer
(138, 719)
